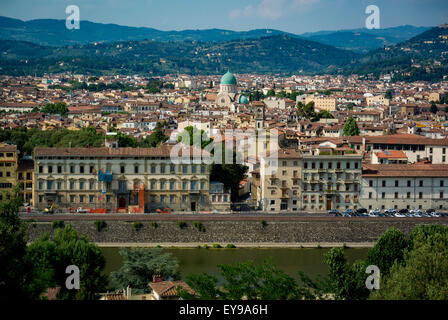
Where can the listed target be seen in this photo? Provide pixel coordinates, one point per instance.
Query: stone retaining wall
(233, 231)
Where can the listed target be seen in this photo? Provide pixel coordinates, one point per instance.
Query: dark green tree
(140, 265)
(351, 128)
(433, 108)
(155, 138)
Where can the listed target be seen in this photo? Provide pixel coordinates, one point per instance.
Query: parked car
(430, 210)
(403, 211)
(334, 211)
(435, 214)
(399, 215)
(82, 210)
(361, 210)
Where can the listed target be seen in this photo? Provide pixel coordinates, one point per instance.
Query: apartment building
(410, 186)
(25, 171)
(331, 182)
(322, 102)
(8, 169)
(280, 180)
(120, 179)
(310, 182)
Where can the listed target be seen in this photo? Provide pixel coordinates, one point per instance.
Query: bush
(206, 246)
(154, 224)
(138, 225)
(182, 224)
(217, 246)
(199, 226)
(344, 246)
(57, 224)
(263, 223)
(319, 246)
(230, 246)
(100, 225)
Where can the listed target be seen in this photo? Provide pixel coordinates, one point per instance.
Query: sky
(295, 16)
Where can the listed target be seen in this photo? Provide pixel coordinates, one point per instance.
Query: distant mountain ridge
(278, 54)
(52, 32)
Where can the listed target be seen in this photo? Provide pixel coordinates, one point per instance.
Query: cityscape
(128, 155)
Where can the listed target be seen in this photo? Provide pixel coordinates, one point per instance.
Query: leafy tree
(388, 94)
(139, 267)
(14, 273)
(155, 138)
(351, 128)
(193, 136)
(424, 273)
(270, 93)
(325, 114)
(389, 248)
(306, 111)
(256, 96)
(51, 259)
(433, 108)
(58, 108)
(246, 280)
(345, 281)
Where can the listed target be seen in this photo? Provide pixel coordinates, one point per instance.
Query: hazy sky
(296, 16)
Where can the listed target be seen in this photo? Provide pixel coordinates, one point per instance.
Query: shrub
(154, 224)
(57, 224)
(344, 246)
(263, 223)
(182, 224)
(318, 246)
(199, 226)
(138, 225)
(100, 225)
(230, 246)
(206, 246)
(217, 246)
(198, 247)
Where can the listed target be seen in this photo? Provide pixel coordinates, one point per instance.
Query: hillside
(278, 54)
(51, 32)
(423, 57)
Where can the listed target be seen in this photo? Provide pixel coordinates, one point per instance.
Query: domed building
(228, 92)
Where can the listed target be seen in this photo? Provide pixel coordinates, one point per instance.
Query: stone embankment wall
(234, 231)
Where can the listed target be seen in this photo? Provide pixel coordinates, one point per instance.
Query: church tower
(259, 116)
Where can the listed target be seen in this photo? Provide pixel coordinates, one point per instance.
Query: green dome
(228, 78)
(243, 99)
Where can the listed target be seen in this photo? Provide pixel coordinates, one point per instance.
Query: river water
(193, 260)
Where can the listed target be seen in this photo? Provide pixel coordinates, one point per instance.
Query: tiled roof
(169, 288)
(405, 170)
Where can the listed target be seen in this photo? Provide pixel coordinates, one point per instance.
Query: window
(72, 169)
(441, 183)
(370, 195)
(92, 185)
(108, 198)
(184, 198)
(136, 169)
(59, 169)
(172, 198)
(122, 169)
(202, 185)
(162, 185)
(305, 165)
(184, 169)
(338, 165)
(162, 199)
(396, 195)
(171, 185)
(41, 169)
(384, 183)
(313, 165)
(81, 198)
(162, 168)
(184, 185)
(356, 165)
(91, 198)
(383, 195)
(370, 183)
(409, 183)
(91, 168)
(441, 194)
(284, 163)
(396, 183)
(347, 199)
(408, 195)
(172, 168)
(330, 165)
(348, 165)
(193, 169)
(153, 169)
(72, 198)
(193, 185)
(321, 165)
(420, 195)
(50, 169)
(59, 185)
(81, 185)
(420, 183)
(81, 169)
(49, 185)
(72, 185)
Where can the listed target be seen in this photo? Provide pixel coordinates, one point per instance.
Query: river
(193, 260)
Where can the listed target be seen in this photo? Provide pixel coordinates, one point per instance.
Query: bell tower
(259, 116)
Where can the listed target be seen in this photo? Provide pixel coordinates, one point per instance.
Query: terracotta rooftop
(391, 154)
(405, 170)
(169, 288)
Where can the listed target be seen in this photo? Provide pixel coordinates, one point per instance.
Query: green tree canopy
(58, 108)
(140, 265)
(433, 108)
(351, 128)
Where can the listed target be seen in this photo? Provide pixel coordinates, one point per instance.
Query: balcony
(105, 176)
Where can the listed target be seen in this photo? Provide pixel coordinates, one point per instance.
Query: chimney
(157, 278)
(128, 292)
